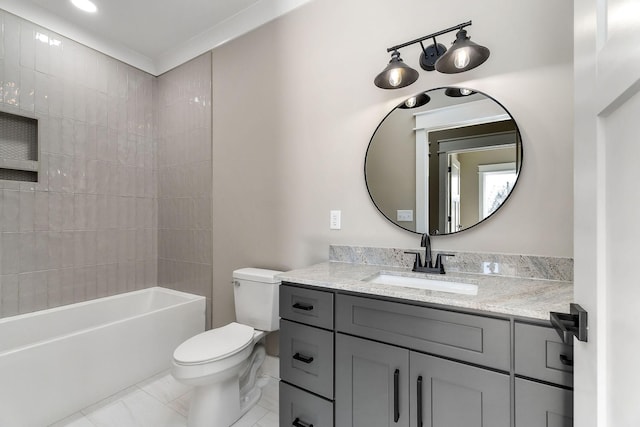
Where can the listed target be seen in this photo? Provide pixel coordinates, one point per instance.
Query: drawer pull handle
(419, 406)
(305, 307)
(565, 360)
(396, 397)
(298, 423)
(303, 358)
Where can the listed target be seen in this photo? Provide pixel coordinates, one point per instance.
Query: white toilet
(221, 363)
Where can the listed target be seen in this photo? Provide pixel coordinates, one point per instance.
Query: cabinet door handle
(565, 360)
(419, 403)
(303, 358)
(396, 397)
(298, 423)
(301, 306)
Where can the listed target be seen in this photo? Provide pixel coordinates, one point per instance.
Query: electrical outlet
(405, 215)
(334, 220)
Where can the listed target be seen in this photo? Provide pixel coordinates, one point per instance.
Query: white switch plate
(404, 215)
(334, 220)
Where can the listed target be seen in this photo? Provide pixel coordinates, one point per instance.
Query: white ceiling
(153, 35)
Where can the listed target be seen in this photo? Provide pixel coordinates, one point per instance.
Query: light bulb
(411, 102)
(395, 77)
(461, 58)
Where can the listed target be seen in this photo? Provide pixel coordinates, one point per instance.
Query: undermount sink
(425, 283)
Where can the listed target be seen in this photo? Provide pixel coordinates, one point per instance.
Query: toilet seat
(215, 344)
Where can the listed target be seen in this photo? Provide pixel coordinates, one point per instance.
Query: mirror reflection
(443, 161)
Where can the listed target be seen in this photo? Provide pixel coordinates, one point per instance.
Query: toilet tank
(255, 292)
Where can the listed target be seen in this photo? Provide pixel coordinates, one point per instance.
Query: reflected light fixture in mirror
(464, 55)
(457, 92)
(415, 101)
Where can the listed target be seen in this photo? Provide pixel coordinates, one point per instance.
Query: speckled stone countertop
(502, 295)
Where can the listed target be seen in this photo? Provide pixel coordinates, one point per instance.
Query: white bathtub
(55, 362)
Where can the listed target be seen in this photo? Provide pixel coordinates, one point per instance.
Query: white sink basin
(425, 283)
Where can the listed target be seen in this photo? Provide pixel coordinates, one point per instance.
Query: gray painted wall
(294, 107)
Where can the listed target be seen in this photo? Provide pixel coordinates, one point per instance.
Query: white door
(607, 210)
(454, 193)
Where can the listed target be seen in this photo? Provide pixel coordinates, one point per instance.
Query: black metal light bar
(436, 34)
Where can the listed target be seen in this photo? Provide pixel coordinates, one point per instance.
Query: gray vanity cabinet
(358, 361)
(451, 394)
(544, 377)
(371, 383)
(388, 383)
(306, 357)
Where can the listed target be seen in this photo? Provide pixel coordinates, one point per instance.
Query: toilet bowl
(222, 363)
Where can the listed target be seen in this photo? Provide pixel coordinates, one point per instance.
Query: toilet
(221, 364)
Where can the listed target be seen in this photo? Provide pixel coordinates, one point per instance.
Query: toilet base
(223, 402)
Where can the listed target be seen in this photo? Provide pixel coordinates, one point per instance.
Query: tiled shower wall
(184, 179)
(88, 228)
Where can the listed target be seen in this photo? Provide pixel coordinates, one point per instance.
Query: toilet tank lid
(257, 275)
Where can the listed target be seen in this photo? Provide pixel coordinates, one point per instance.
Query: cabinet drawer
(475, 339)
(307, 306)
(541, 354)
(306, 357)
(299, 408)
(542, 405)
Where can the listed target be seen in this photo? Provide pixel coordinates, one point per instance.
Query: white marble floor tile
(161, 401)
(251, 417)
(181, 404)
(137, 409)
(75, 420)
(269, 399)
(164, 387)
(271, 419)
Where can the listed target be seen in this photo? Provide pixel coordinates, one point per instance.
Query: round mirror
(443, 161)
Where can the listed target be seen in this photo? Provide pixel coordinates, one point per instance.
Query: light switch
(334, 220)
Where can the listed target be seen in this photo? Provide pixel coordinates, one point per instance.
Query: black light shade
(397, 74)
(462, 56)
(415, 101)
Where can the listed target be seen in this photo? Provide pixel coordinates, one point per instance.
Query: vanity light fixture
(85, 5)
(464, 55)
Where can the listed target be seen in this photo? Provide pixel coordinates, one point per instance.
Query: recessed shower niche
(18, 148)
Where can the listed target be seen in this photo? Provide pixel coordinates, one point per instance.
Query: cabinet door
(452, 394)
(542, 405)
(372, 384)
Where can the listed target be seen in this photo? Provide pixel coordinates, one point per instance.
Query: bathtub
(55, 362)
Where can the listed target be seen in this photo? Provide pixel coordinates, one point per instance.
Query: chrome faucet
(428, 266)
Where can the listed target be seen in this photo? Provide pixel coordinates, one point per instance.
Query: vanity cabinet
(543, 367)
(357, 361)
(378, 384)
(306, 357)
(372, 383)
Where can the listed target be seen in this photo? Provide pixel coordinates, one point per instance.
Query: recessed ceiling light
(85, 5)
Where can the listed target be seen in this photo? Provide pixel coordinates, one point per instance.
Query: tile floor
(161, 401)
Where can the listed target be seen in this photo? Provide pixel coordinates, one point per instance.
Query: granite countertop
(509, 296)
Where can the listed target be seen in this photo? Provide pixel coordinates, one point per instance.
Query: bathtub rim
(189, 298)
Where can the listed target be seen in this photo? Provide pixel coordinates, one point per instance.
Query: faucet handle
(417, 263)
(439, 264)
